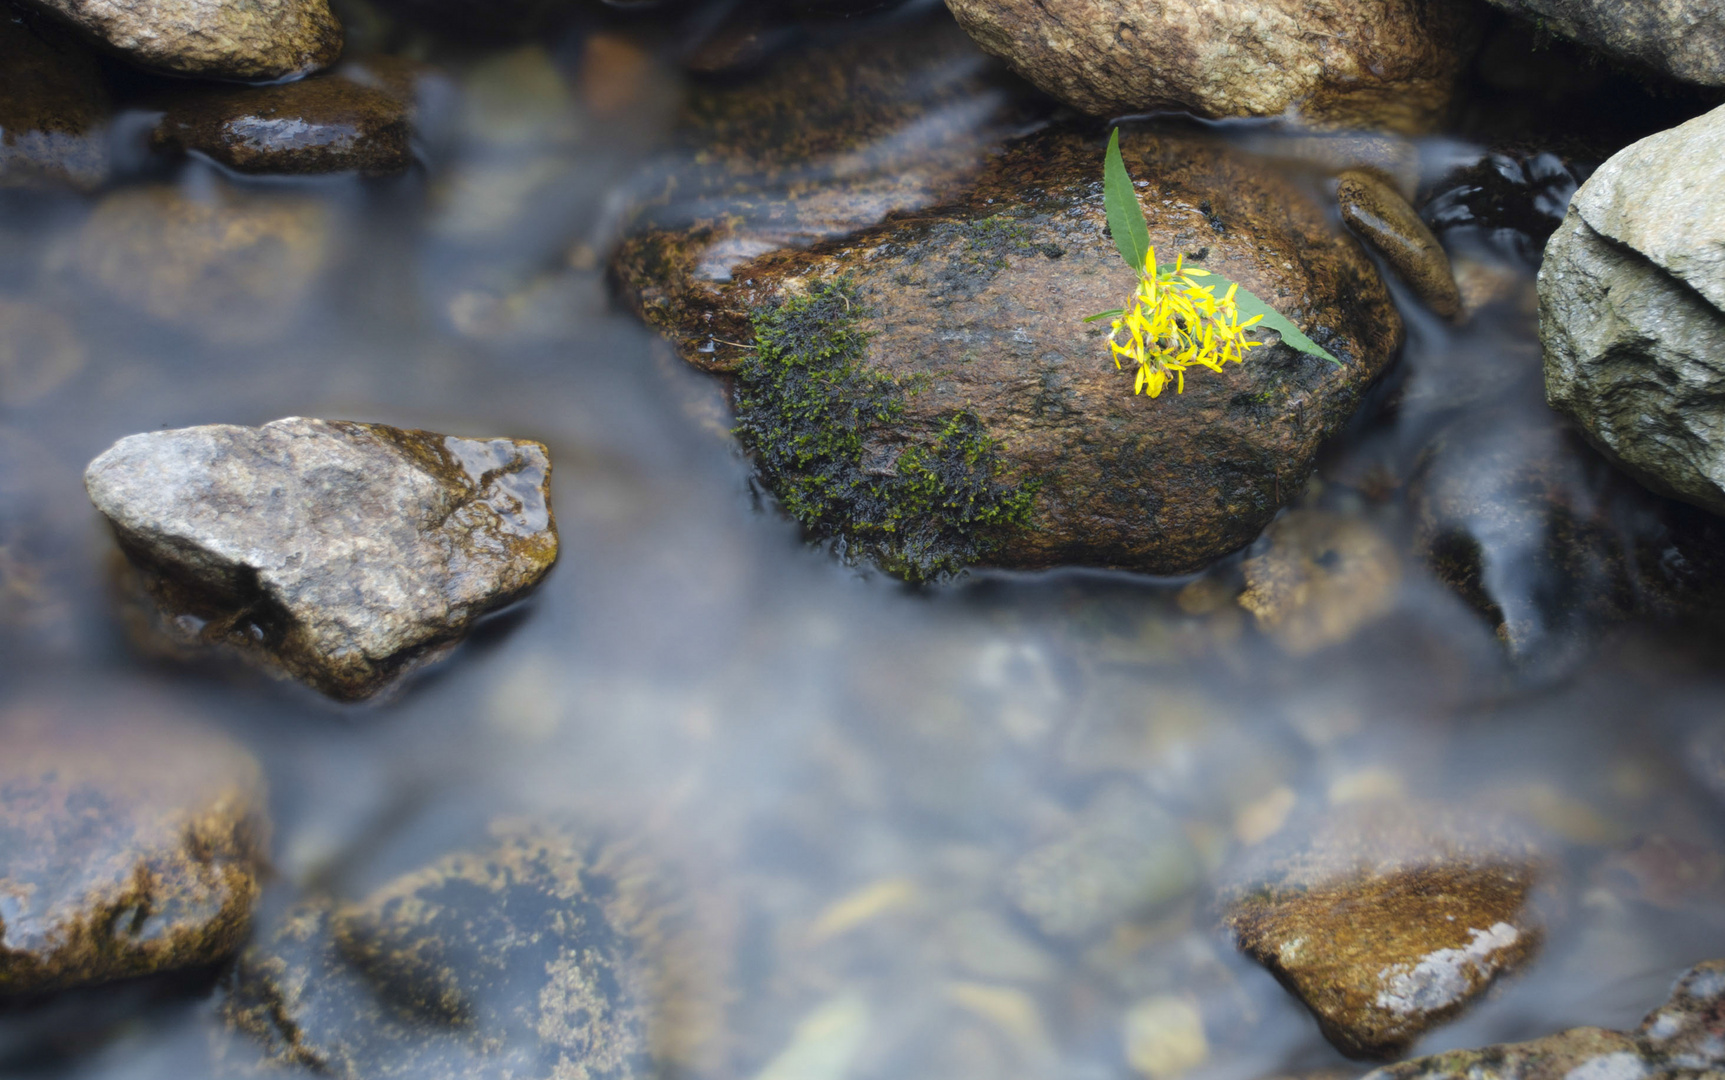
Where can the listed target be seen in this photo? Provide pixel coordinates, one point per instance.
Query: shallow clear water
(796, 732)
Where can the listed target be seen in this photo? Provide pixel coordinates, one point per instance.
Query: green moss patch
(821, 428)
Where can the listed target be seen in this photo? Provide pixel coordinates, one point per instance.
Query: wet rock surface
(1382, 217)
(255, 41)
(1390, 63)
(318, 125)
(345, 554)
(233, 268)
(130, 844)
(1684, 39)
(1387, 919)
(544, 954)
(53, 108)
(1632, 311)
(971, 416)
(1315, 579)
(1679, 1039)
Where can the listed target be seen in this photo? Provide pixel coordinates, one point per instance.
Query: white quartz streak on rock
(1447, 976)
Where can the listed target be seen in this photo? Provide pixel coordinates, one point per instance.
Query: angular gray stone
(1632, 311)
(247, 40)
(1680, 1039)
(343, 553)
(1681, 38)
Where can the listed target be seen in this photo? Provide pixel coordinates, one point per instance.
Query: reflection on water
(970, 831)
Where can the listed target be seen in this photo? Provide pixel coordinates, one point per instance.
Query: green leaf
(1125, 217)
(1115, 314)
(1250, 305)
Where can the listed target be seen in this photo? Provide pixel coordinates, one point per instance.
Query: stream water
(797, 733)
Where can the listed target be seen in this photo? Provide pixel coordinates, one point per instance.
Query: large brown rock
(1679, 1039)
(130, 844)
(53, 108)
(1381, 63)
(1388, 919)
(930, 394)
(246, 40)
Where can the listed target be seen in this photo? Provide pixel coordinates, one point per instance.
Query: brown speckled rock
(1382, 217)
(1316, 579)
(541, 957)
(1381, 63)
(244, 40)
(130, 844)
(345, 554)
(318, 125)
(1387, 920)
(1679, 1039)
(53, 108)
(964, 330)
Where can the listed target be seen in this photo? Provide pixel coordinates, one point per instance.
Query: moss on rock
(817, 421)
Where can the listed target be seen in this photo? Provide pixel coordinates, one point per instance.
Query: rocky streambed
(875, 686)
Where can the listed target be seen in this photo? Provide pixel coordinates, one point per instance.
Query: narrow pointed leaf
(1125, 217)
(1115, 314)
(1250, 305)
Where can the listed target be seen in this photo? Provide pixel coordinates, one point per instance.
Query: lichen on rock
(814, 419)
(131, 843)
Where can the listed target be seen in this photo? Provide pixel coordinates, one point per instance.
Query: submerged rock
(318, 125)
(245, 40)
(232, 268)
(928, 392)
(53, 108)
(1388, 920)
(1632, 311)
(1122, 857)
(1684, 39)
(130, 844)
(543, 955)
(1389, 63)
(345, 554)
(1319, 579)
(1680, 1039)
(1382, 217)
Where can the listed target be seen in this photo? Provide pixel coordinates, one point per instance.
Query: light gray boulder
(1632, 311)
(341, 553)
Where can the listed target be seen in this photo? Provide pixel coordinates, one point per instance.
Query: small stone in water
(319, 125)
(344, 554)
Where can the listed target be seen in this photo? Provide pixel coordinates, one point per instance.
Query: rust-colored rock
(1388, 920)
(130, 844)
(1381, 63)
(1382, 217)
(963, 330)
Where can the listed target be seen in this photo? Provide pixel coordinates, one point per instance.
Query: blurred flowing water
(847, 767)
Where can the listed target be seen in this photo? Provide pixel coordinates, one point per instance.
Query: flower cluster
(1175, 323)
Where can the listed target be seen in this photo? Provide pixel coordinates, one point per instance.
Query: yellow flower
(1174, 323)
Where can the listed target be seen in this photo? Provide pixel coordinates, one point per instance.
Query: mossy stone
(130, 844)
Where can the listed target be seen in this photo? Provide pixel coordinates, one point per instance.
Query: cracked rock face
(250, 41)
(1679, 1039)
(1632, 311)
(1389, 921)
(130, 844)
(343, 554)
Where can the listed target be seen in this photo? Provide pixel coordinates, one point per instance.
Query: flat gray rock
(1632, 311)
(341, 553)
